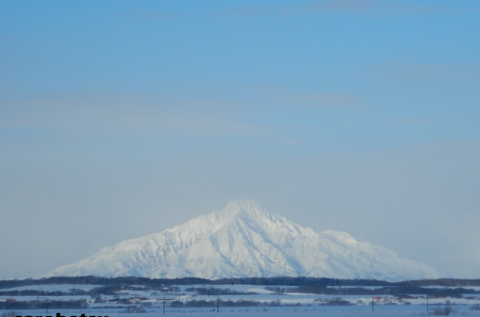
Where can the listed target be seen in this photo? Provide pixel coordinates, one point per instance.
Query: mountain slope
(244, 240)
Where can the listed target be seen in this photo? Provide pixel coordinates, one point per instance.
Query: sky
(120, 119)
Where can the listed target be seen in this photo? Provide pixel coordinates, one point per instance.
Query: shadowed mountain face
(245, 240)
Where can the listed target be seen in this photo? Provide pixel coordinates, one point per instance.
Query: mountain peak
(246, 206)
(243, 203)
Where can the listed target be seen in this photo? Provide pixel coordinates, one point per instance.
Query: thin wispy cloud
(376, 7)
(243, 12)
(415, 69)
(119, 113)
(178, 125)
(332, 5)
(369, 7)
(146, 15)
(313, 100)
(415, 121)
(322, 100)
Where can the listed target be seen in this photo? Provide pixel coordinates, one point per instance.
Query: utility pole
(427, 302)
(373, 305)
(46, 304)
(164, 304)
(218, 304)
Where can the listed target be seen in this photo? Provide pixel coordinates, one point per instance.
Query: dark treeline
(216, 291)
(449, 282)
(95, 280)
(390, 290)
(33, 293)
(221, 303)
(100, 290)
(297, 281)
(308, 288)
(106, 290)
(285, 281)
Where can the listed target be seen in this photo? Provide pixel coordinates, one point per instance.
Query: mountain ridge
(246, 240)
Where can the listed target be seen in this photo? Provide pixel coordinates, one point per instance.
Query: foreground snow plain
(361, 311)
(289, 304)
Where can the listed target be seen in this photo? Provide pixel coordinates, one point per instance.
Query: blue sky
(125, 118)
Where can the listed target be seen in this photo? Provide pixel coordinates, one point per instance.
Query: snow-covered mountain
(245, 240)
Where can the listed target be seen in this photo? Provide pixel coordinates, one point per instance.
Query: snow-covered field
(263, 303)
(384, 311)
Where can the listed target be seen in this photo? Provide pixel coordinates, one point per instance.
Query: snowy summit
(245, 240)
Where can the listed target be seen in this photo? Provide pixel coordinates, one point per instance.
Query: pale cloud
(415, 121)
(195, 126)
(119, 113)
(370, 7)
(313, 100)
(242, 12)
(411, 68)
(325, 100)
(145, 15)
(332, 5)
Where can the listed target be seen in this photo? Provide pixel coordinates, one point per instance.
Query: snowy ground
(271, 304)
(385, 311)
